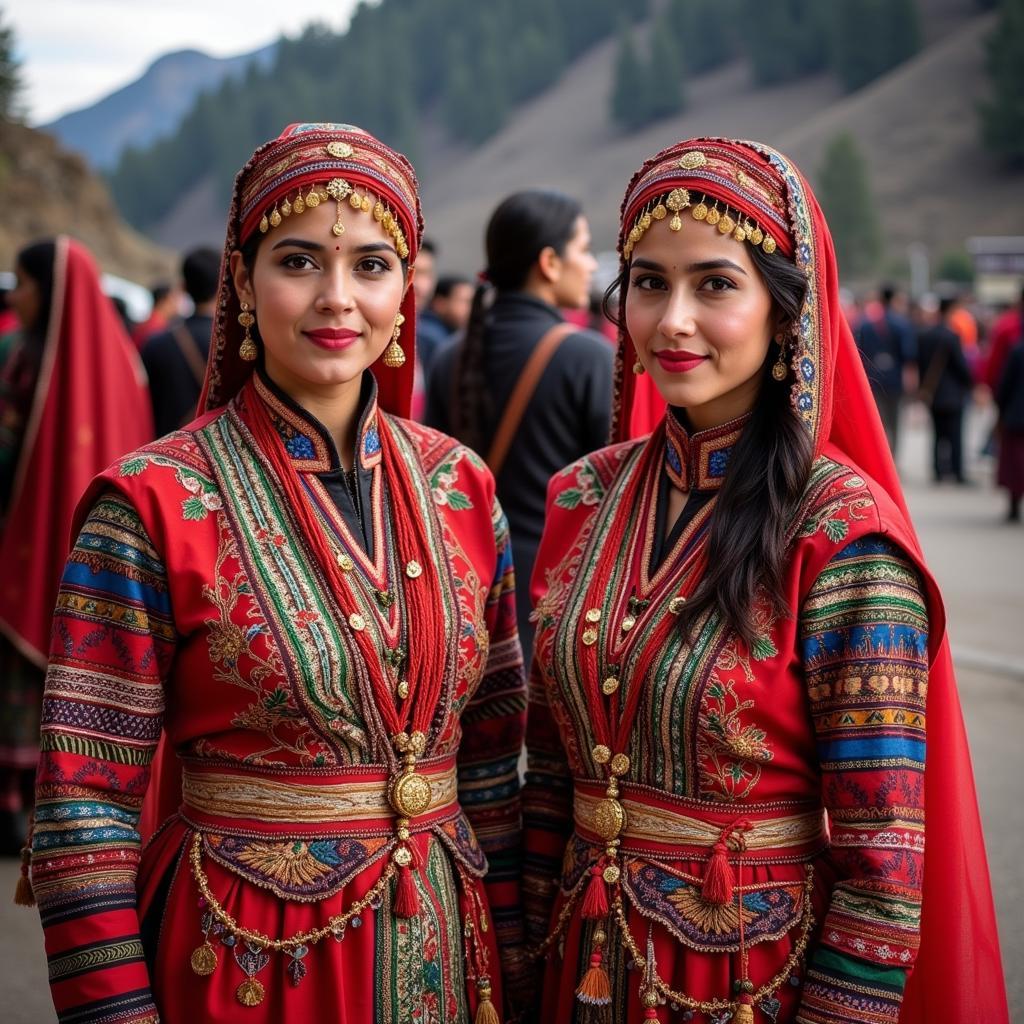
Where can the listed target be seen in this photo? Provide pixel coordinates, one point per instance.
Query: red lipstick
(678, 361)
(333, 338)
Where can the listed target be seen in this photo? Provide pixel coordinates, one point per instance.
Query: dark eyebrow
(298, 243)
(375, 247)
(693, 268)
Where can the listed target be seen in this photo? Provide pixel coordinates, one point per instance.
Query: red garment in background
(1006, 331)
(90, 406)
(153, 324)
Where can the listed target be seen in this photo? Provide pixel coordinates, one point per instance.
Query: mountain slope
(150, 107)
(915, 126)
(45, 191)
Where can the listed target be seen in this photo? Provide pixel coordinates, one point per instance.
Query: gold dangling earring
(780, 369)
(394, 355)
(638, 368)
(247, 350)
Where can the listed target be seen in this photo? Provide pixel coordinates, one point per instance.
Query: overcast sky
(74, 52)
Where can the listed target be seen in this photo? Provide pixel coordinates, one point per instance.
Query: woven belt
(245, 798)
(662, 823)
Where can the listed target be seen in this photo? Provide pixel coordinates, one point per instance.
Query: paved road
(979, 562)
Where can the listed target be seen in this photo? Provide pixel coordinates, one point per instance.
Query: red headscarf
(958, 973)
(90, 407)
(301, 156)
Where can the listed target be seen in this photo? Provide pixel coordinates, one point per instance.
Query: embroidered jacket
(190, 605)
(825, 710)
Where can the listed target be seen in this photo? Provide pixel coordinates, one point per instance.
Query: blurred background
(123, 122)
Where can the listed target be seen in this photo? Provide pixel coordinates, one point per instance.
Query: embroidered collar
(308, 441)
(697, 462)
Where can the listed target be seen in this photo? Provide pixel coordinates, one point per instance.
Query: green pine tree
(785, 39)
(664, 86)
(704, 30)
(845, 195)
(10, 75)
(871, 36)
(1002, 116)
(629, 87)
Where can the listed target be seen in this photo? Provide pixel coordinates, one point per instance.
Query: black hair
(766, 477)
(947, 302)
(448, 283)
(200, 270)
(887, 293)
(37, 260)
(429, 245)
(160, 291)
(521, 227)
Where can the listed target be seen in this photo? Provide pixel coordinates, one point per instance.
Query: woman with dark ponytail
(737, 648)
(525, 390)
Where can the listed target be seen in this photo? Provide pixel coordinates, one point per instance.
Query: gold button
(594, 615)
(601, 754)
(414, 570)
(402, 857)
(590, 637)
(675, 606)
(345, 563)
(357, 622)
(619, 765)
(628, 623)
(609, 686)
(612, 874)
(403, 689)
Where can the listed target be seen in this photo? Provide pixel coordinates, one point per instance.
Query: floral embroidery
(836, 508)
(732, 751)
(675, 899)
(204, 496)
(295, 869)
(588, 490)
(443, 481)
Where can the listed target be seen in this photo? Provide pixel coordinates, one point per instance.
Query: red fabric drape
(90, 406)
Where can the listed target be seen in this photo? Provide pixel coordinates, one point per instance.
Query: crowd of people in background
(948, 352)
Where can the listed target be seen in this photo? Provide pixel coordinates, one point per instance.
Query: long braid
(471, 402)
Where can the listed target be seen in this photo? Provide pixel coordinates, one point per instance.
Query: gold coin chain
(308, 938)
(712, 1005)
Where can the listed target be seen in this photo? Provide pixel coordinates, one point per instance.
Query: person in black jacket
(946, 384)
(1010, 399)
(175, 359)
(538, 261)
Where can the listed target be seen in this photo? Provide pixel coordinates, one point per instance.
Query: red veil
(958, 973)
(90, 406)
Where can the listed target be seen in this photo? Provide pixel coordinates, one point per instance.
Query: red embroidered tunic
(191, 605)
(824, 712)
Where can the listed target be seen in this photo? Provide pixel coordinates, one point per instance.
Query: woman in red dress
(72, 398)
(290, 592)
(738, 646)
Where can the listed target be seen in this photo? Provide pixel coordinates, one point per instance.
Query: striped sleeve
(492, 737)
(864, 634)
(112, 643)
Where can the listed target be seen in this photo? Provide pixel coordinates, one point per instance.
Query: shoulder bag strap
(523, 392)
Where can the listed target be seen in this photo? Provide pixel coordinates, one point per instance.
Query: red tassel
(718, 880)
(596, 987)
(595, 900)
(651, 1013)
(407, 898)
